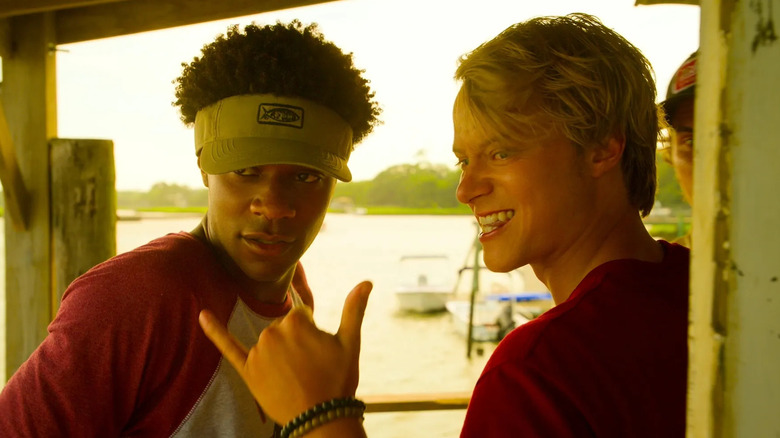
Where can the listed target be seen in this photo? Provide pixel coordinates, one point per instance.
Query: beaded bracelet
(323, 413)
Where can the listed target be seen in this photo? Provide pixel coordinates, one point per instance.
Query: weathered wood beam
(5, 38)
(416, 402)
(123, 18)
(666, 2)
(29, 100)
(15, 192)
(734, 331)
(9, 8)
(83, 210)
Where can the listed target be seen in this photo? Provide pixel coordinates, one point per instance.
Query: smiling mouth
(496, 220)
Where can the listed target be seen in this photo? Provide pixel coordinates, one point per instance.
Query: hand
(295, 365)
(302, 286)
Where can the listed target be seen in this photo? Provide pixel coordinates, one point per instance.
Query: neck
(614, 237)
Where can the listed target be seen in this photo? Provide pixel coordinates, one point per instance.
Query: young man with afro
(276, 111)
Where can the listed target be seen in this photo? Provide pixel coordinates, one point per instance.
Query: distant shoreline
(126, 214)
(175, 212)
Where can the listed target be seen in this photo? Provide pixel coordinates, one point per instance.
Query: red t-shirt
(125, 355)
(611, 361)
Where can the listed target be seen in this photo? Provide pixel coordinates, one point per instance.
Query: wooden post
(734, 335)
(13, 186)
(29, 100)
(83, 208)
(474, 291)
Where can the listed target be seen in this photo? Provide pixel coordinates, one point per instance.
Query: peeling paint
(736, 269)
(719, 388)
(84, 199)
(725, 132)
(765, 28)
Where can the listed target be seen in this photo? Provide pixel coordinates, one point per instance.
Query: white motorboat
(422, 299)
(502, 301)
(423, 287)
(495, 315)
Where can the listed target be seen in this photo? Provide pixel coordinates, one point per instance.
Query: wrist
(348, 427)
(323, 414)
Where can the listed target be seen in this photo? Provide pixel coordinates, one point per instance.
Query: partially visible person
(277, 111)
(555, 131)
(678, 107)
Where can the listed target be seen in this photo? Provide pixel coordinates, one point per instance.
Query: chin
(499, 264)
(265, 274)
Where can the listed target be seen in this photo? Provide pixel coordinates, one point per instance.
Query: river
(401, 353)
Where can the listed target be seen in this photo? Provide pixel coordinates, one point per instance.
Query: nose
(273, 199)
(473, 184)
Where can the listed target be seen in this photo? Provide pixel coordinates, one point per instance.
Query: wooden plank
(666, 2)
(15, 192)
(28, 97)
(734, 331)
(416, 402)
(83, 211)
(5, 38)
(123, 18)
(710, 241)
(9, 8)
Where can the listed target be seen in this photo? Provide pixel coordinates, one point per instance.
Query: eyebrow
(482, 145)
(684, 129)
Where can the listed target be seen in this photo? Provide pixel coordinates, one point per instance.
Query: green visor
(244, 131)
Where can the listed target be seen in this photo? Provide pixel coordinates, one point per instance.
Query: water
(401, 353)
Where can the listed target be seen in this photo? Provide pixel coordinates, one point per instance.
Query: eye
(462, 163)
(249, 171)
(308, 177)
(500, 156)
(685, 142)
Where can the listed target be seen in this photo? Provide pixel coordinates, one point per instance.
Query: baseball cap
(681, 87)
(250, 130)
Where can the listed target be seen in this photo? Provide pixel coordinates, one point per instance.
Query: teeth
(492, 221)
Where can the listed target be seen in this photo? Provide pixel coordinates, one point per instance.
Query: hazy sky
(121, 88)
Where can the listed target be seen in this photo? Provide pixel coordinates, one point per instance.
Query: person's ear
(607, 156)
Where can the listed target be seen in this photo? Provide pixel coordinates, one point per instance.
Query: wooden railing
(416, 402)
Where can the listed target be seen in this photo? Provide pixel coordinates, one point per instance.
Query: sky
(121, 88)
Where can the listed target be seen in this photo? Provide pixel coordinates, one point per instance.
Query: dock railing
(416, 402)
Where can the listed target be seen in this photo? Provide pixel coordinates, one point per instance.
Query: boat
(495, 315)
(423, 287)
(497, 301)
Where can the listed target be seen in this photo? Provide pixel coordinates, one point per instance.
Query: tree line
(420, 185)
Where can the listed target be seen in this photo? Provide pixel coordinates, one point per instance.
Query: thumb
(352, 315)
(301, 285)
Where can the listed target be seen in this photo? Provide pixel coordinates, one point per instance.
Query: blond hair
(573, 76)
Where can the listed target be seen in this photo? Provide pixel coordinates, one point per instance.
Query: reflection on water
(401, 353)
